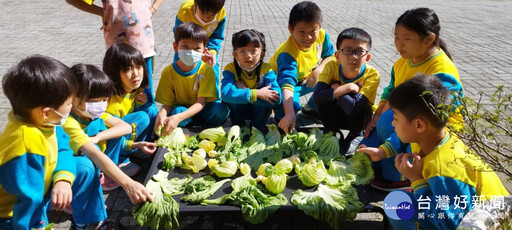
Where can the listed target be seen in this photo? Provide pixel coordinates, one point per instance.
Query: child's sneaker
(107, 183)
(129, 168)
(391, 185)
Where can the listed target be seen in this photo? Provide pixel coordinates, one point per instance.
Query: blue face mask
(59, 123)
(189, 57)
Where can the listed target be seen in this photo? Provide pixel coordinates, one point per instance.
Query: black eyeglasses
(357, 53)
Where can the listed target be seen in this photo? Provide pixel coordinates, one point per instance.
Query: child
(211, 15)
(37, 167)
(442, 165)
(187, 89)
(87, 127)
(295, 61)
(125, 66)
(346, 89)
(249, 86)
(422, 50)
(130, 22)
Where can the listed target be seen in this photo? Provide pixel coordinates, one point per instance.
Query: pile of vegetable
(313, 157)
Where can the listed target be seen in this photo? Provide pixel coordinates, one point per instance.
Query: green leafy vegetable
(172, 186)
(276, 180)
(217, 135)
(339, 175)
(162, 212)
(329, 204)
(311, 173)
(361, 165)
(174, 140)
(200, 189)
(225, 169)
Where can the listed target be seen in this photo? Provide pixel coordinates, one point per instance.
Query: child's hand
(61, 195)
(354, 88)
(334, 86)
(375, 154)
(170, 123)
(312, 78)
(413, 171)
(142, 98)
(146, 147)
(287, 124)
(137, 192)
(209, 58)
(240, 85)
(94, 139)
(267, 94)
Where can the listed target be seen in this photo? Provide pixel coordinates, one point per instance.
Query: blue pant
(257, 112)
(88, 204)
(213, 114)
(298, 91)
(140, 122)
(382, 131)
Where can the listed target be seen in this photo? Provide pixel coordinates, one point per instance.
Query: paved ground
(474, 30)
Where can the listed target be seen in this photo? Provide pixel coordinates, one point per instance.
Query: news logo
(398, 205)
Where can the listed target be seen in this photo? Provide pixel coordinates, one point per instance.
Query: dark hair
(210, 6)
(425, 96)
(92, 82)
(423, 21)
(38, 81)
(245, 37)
(356, 34)
(305, 11)
(190, 30)
(120, 57)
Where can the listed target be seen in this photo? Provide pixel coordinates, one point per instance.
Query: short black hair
(305, 11)
(190, 30)
(244, 38)
(92, 82)
(120, 57)
(38, 81)
(210, 6)
(422, 96)
(356, 34)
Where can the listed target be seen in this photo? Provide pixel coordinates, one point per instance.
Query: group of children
(75, 128)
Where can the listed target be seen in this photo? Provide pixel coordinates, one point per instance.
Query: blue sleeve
(286, 71)
(217, 36)
(352, 102)
(66, 164)
(270, 79)
(176, 24)
(323, 93)
(393, 146)
(230, 93)
(387, 91)
(23, 177)
(452, 84)
(327, 48)
(435, 188)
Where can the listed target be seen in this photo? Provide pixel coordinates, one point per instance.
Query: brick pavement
(474, 30)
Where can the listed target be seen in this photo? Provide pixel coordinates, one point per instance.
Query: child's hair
(190, 30)
(356, 34)
(210, 6)
(305, 11)
(38, 81)
(422, 96)
(245, 37)
(120, 57)
(423, 21)
(92, 82)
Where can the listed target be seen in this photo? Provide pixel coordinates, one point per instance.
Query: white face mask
(189, 57)
(203, 22)
(59, 123)
(93, 110)
(249, 70)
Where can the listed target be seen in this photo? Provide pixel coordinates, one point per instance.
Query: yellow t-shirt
(121, 105)
(183, 88)
(369, 78)
(74, 127)
(186, 13)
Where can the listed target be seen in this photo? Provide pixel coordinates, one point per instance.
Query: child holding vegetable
(442, 165)
(249, 85)
(92, 131)
(187, 89)
(37, 167)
